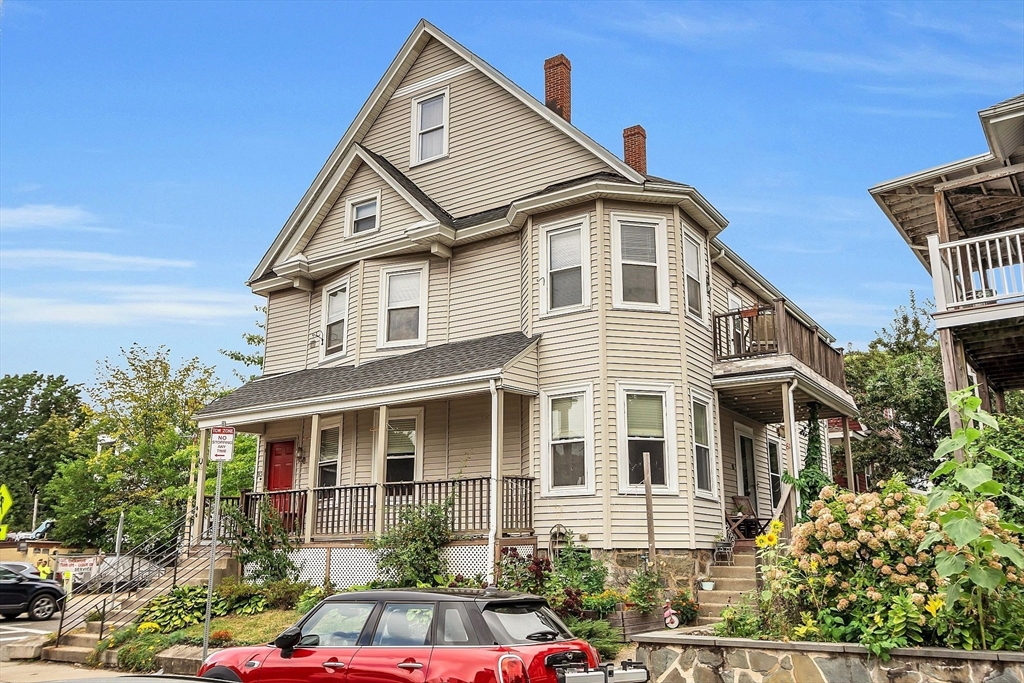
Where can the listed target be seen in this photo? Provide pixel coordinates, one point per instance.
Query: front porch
(349, 513)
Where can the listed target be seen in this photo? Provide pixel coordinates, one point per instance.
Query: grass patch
(255, 629)
(139, 653)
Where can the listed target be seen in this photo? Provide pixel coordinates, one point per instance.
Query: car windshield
(524, 623)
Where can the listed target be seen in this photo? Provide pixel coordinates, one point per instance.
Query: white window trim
(334, 421)
(661, 246)
(702, 270)
(327, 290)
(583, 223)
(738, 430)
(415, 127)
(403, 413)
(547, 490)
(382, 307)
(699, 397)
(669, 421)
(350, 215)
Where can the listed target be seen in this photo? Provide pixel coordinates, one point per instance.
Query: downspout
(495, 481)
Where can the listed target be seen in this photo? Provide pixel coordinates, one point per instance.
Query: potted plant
(706, 583)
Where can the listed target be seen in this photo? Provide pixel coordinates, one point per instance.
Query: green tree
(238, 474)
(898, 386)
(42, 422)
(1009, 438)
(145, 405)
(254, 340)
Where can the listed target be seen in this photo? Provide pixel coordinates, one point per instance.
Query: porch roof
(449, 365)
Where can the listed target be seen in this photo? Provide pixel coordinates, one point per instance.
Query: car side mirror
(288, 639)
(311, 640)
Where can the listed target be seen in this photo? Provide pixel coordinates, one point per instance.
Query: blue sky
(150, 152)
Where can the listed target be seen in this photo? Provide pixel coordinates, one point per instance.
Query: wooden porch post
(983, 391)
(951, 374)
(379, 458)
(497, 440)
(197, 505)
(789, 416)
(1000, 400)
(851, 478)
(311, 476)
(781, 328)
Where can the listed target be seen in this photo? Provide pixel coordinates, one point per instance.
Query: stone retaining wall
(679, 658)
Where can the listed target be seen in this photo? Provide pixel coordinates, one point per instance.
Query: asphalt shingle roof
(435, 362)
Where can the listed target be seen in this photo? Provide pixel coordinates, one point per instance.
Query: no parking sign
(222, 444)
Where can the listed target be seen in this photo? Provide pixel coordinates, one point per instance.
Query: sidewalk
(40, 672)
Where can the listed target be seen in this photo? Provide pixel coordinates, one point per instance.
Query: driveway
(16, 629)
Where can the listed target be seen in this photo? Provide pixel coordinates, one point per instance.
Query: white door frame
(742, 430)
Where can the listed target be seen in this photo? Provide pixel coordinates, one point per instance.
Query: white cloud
(119, 306)
(47, 216)
(83, 261)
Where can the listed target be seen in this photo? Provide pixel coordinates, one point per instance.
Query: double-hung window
(568, 460)
(429, 127)
(566, 265)
(403, 306)
(363, 215)
(693, 265)
(330, 455)
(400, 464)
(645, 425)
(640, 274)
(335, 312)
(703, 462)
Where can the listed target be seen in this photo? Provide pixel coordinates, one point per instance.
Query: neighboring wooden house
(474, 297)
(965, 222)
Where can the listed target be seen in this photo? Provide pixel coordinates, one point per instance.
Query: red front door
(280, 466)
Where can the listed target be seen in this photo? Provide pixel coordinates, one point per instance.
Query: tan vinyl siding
(395, 215)
(499, 149)
(730, 460)
(287, 331)
(522, 374)
(485, 296)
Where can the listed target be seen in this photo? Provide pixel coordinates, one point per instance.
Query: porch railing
(517, 505)
(344, 510)
(290, 505)
(227, 527)
(471, 501)
(773, 330)
(978, 270)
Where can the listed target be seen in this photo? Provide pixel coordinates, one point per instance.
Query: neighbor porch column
(851, 478)
(789, 417)
(311, 477)
(497, 440)
(951, 374)
(197, 505)
(983, 391)
(379, 457)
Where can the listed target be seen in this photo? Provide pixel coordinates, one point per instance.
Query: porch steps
(72, 654)
(731, 582)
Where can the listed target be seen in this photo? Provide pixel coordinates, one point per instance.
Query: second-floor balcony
(979, 274)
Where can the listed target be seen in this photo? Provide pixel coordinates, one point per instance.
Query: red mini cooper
(415, 636)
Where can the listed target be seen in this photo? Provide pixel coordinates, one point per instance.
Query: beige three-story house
(475, 299)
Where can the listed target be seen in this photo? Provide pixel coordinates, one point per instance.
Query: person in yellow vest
(44, 568)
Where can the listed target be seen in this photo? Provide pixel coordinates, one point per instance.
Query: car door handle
(410, 665)
(334, 665)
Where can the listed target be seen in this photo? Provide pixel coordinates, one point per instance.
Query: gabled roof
(303, 214)
(433, 363)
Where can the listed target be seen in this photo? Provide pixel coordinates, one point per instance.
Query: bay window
(693, 266)
(566, 265)
(703, 463)
(640, 268)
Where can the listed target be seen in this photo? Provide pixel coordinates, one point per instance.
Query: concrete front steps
(731, 582)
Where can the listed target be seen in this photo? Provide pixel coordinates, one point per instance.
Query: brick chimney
(634, 143)
(558, 86)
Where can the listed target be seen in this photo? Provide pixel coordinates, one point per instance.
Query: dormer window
(429, 127)
(363, 214)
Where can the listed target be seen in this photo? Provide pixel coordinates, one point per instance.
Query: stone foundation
(678, 658)
(679, 567)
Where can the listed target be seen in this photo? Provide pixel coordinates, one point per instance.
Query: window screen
(645, 433)
(639, 256)
(330, 453)
(401, 450)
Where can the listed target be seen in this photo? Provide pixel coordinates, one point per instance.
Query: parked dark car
(26, 568)
(423, 636)
(41, 598)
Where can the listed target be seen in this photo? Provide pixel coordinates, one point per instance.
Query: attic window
(363, 214)
(429, 127)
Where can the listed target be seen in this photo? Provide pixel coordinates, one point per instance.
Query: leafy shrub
(1009, 439)
(741, 620)
(567, 602)
(644, 590)
(410, 554)
(523, 573)
(685, 607)
(221, 638)
(183, 606)
(262, 549)
(599, 633)
(242, 597)
(284, 594)
(605, 602)
(113, 641)
(575, 567)
(148, 627)
(312, 596)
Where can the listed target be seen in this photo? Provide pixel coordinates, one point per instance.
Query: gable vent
(558, 86)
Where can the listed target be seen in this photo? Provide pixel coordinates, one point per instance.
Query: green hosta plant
(975, 553)
(183, 606)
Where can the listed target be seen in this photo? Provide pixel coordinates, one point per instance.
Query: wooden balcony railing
(290, 505)
(773, 330)
(344, 510)
(978, 270)
(517, 505)
(471, 502)
(227, 526)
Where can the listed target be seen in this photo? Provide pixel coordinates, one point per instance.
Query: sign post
(222, 449)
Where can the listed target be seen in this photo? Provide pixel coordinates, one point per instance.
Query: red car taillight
(511, 669)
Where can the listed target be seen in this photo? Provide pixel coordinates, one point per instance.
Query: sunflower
(776, 527)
